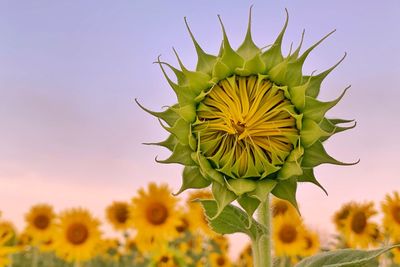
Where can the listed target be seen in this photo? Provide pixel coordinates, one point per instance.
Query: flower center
(121, 213)
(279, 208)
(77, 233)
(287, 233)
(358, 222)
(246, 123)
(183, 226)
(221, 261)
(41, 221)
(396, 213)
(309, 242)
(156, 213)
(164, 259)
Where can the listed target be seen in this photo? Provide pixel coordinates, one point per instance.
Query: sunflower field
(157, 229)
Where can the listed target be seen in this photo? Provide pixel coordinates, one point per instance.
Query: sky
(71, 134)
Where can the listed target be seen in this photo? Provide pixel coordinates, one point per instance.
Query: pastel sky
(71, 134)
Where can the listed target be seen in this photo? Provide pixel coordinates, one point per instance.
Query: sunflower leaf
(231, 220)
(345, 258)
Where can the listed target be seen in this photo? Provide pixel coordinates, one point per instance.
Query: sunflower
(341, 215)
(78, 235)
(197, 218)
(219, 260)
(248, 113)
(246, 257)
(154, 215)
(118, 214)
(391, 214)
(6, 251)
(108, 249)
(40, 222)
(288, 236)
(6, 228)
(281, 207)
(396, 254)
(312, 243)
(165, 257)
(359, 231)
(47, 245)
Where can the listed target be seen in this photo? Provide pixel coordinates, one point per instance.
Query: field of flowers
(157, 229)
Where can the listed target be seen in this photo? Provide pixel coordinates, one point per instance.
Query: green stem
(262, 247)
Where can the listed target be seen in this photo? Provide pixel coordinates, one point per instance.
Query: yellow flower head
(246, 257)
(359, 231)
(248, 121)
(7, 228)
(40, 222)
(219, 260)
(118, 214)
(281, 207)
(288, 236)
(312, 244)
(391, 214)
(78, 235)
(341, 215)
(154, 214)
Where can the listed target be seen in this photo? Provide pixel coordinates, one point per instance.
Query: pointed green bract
(248, 121)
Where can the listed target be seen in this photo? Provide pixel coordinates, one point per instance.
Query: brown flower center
(156, 213)
(183, 226)
(358, 222)
(287, 233)
(121, 213)
(164, 259)
(41, 221)
(309, 242)
(279, 208)
(396, 213)
(77, 233)
(220, 261)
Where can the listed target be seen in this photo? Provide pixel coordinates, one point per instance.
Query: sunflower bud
(248, 121)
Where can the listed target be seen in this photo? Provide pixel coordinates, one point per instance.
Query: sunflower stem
(262, 245)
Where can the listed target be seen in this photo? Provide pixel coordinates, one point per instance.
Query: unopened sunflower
(118, 214)
(78, 236)
(40, 222)
(391, 214)
(154, 215)
(248, 121)
(359, 230)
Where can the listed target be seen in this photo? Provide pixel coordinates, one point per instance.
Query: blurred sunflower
(312, 244)
(396, 254)
(391, 214)
(6, 228)
(246, 257)
(78, 235)
(197, 218)
(281, 207)
(359, 231)
(6, 251)
(288, 235)
(154, 214)
(219, 260)
(46, 245)
(40, 222)
(341, 215)
(164, 257)
(108, 249)
(118, 214)
(184, 225)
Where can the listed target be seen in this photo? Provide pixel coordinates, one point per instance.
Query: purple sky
(70, 133)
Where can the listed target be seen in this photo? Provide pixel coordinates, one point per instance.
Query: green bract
(248, 122)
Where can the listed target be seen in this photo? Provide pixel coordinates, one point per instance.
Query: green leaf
(345, 258)
(230, 220)
(180, 155)
(222, 196)
(308, 176)
(263, 188)
(286, 189)
(240, 186)
(192, 178)
(316, 155)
